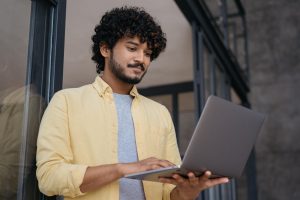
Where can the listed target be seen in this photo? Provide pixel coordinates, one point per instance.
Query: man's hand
(143, 165)
(189, 188)
(98, 176)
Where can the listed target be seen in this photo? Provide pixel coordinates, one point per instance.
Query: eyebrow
(137, 44)
(133, 43)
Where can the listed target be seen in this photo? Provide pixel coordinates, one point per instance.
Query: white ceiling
(173, 65)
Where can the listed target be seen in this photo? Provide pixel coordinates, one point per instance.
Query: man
(90, 137)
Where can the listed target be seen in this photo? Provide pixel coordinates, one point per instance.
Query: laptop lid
(223, 138)
(222, 141)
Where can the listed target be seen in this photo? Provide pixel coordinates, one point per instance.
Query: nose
(139, 57)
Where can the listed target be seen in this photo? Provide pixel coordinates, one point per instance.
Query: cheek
(147, 64)
(122, 57)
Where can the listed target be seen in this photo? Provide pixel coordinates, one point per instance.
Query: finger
(151, 167)
(193, 179)
(206, 175)
(166, 163)
(161, 163)
(214, 182)
(150, 159)
(179, 179)
(218, 181)
(156, 166)
(168, 180)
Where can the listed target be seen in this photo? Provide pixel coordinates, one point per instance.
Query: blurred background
(244, 51)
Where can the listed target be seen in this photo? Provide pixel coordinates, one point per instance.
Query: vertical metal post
(198, 50)
(251, 177)
(224, 14)
(212, 74)
(233, 189)
(50, 63)
(250, 170)
(234, 32)
(199, 91)
(227, 92)
(246, 56)
(175, 113)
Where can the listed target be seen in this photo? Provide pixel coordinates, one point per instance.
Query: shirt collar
(103, 88)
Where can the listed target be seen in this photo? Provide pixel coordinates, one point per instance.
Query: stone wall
(274, 44)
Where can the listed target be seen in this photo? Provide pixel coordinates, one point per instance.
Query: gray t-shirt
(129, 189)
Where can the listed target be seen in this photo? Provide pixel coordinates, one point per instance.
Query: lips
(137, 66)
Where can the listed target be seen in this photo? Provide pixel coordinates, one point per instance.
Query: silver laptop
(221, 143)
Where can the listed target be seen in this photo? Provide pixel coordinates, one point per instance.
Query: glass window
(165, 100)
(14, 37)
(222, 83)
(187, 120)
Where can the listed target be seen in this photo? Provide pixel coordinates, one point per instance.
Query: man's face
(129, 60)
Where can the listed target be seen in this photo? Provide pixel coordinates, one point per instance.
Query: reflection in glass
(11, 117)
(14, 34)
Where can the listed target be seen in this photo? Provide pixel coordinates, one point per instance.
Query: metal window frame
(44, 71)
(46, 51)
(206, 32)
(198, 15)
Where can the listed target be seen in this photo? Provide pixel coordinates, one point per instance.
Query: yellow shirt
(80, 128)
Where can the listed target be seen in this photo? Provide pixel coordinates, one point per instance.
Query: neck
(117, 85)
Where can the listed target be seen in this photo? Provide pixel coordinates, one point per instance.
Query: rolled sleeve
(56, 172)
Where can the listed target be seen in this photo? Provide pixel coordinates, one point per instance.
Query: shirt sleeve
(172, 152)
(56, 172)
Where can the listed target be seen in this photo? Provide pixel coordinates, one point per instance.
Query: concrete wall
(274, 30)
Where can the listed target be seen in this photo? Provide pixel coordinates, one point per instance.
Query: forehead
(133, 41)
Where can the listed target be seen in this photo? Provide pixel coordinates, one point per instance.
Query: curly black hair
(127, 22)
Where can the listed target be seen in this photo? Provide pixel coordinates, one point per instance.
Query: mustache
(136, 65)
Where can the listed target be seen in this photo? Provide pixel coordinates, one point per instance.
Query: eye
(131, 48)
(148, 54)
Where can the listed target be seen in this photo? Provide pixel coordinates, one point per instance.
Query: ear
(104, 50)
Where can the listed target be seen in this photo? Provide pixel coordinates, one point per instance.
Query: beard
(118, 71)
